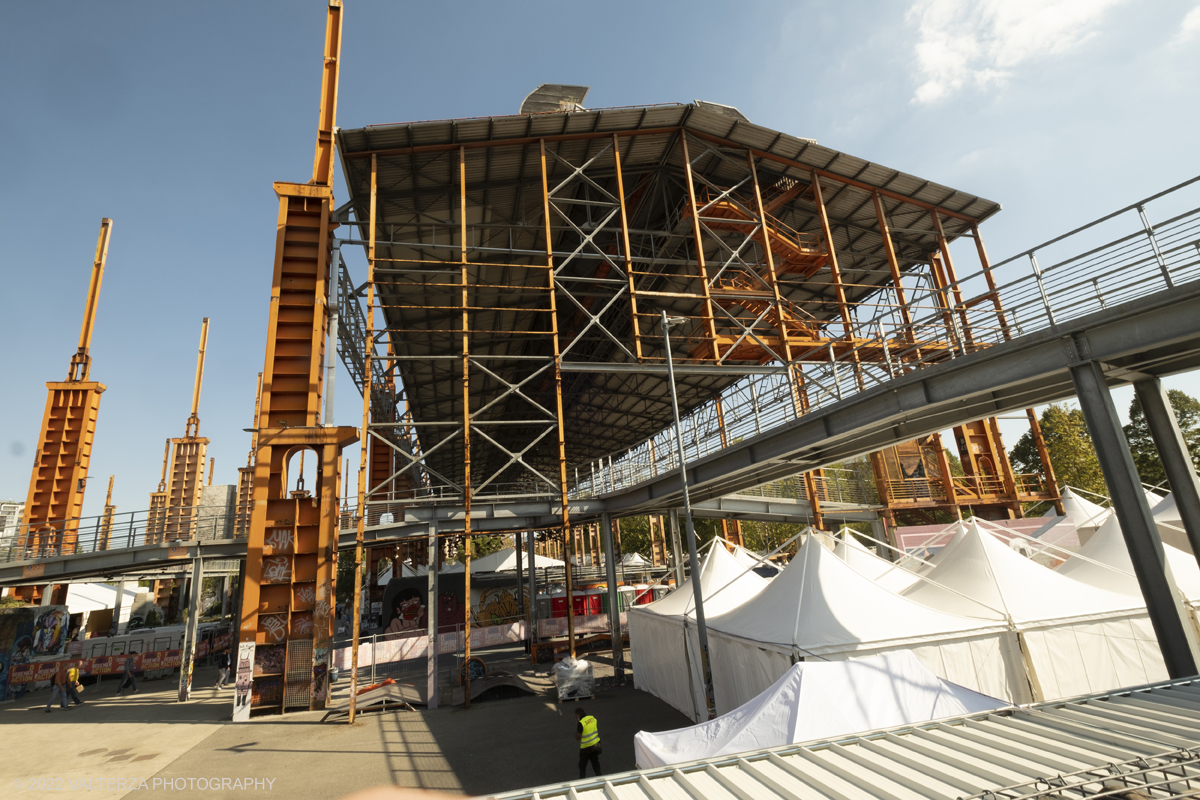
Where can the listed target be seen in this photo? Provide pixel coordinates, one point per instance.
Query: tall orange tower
(287, 600)
(173, 506)
(50, 525)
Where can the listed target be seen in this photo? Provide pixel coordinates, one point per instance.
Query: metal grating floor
(1134, 743)
(297, 688)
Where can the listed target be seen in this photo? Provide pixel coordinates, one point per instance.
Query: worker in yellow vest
(588, 735)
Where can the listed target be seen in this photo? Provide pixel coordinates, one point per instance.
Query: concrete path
(498, 745)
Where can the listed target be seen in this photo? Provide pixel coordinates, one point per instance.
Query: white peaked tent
(821, 609)
(1170, 523)
(864, 562)
(663, 641)
(1086, 515)
(1104, 561)
(1077, 637)
(506, 560)
(634, 560)
(817, 700)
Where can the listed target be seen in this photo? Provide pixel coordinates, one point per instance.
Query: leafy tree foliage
(1141, 445)
(1070, 447)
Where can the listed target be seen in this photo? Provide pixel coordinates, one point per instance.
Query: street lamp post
(693, 562)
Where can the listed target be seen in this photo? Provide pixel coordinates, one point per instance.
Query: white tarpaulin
(890, 576)
(634, 560)
(1170, 523)
(819, 700)
(663, 642)
(506, 561)
(821, 609)
(1086, 515)
(1078, 637)
(1104, 561)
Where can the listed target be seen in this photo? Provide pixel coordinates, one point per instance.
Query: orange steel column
(56, 487)
(558, 402)
(187, 462)
(287, 621)
(156, 518)
(245, 488)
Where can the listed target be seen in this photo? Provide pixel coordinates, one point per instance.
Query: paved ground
(496, 746)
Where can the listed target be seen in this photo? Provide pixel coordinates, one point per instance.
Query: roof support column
(614, 601)
(1181, 473)
(1175, 638)
(709, 319)
(558, 402)
(466, 399)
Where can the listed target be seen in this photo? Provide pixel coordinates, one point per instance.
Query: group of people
(65, 685)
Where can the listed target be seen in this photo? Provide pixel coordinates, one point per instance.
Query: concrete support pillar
(48, 594)
(1137, 526)
(614, 602)
(676, 552)
(1173, 451)
(189, 635)
(115, 627)
(431, 618)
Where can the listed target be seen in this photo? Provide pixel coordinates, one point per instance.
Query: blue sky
(174, 119)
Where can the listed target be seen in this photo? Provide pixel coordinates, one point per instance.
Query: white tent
(888, 575)
(1104, 561)
(663, 642)
(634, 560)
(1078, 637)
(1170, 523)
(820, 608)
(1086, 515)
(506, 561)
(817, 700)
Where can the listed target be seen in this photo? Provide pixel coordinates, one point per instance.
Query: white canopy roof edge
(819, 700)
(992, 581)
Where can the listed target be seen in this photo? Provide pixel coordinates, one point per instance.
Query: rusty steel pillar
(286, 625)
(49, 525)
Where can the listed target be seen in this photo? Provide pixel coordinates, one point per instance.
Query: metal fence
(117, 531)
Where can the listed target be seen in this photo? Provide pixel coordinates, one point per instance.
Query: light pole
(701, 628)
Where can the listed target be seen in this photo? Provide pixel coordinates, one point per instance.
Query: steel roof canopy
(419, 213)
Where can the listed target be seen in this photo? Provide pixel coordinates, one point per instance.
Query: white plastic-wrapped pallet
(574, 679)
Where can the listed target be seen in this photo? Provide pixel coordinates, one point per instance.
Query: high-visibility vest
(591, 734)
(72, 675)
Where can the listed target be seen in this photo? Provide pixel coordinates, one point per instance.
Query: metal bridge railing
(130, 529)
(948, 323)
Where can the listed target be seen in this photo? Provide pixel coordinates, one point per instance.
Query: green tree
(1141, 445)
(635, 536)
(1070, 448)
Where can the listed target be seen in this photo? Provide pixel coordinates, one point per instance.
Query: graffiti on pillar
(274, 626)
(279, 539)
(276, 569)
(320, 673)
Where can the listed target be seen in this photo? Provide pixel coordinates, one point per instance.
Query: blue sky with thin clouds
(174, 119)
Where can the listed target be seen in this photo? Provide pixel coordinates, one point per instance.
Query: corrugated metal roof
(1098, 746)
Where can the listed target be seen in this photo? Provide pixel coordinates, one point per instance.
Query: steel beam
(614, 602)
(1133, 512)
(1173, 451)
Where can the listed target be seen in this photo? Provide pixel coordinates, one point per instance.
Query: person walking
(57, 688)
(588, 736)
(222, 668)
(72, 687)
(127, 676)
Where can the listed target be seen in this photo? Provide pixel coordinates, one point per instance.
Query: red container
(558, 605)
(644, 595)
(595, 599)
(579, 600)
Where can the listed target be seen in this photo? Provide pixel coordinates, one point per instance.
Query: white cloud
(979, 44)
(1189, 28)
